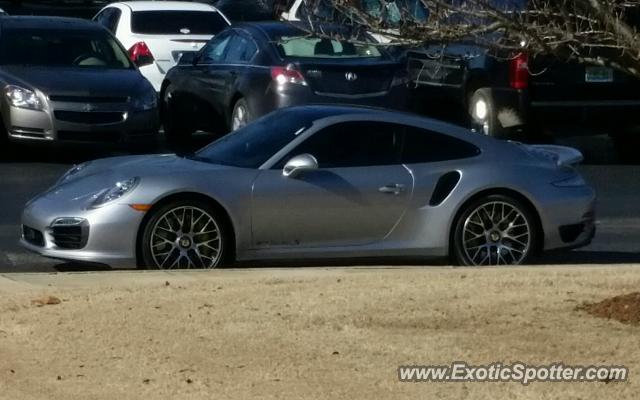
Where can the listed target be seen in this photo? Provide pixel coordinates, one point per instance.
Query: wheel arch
(224, 213)
(498, 191)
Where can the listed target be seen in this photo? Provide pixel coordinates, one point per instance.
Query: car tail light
(140, 54)
(519, 71)
(288, 74)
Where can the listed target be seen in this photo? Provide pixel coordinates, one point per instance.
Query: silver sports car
(319, 182)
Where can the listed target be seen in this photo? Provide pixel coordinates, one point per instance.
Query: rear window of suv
(169, 22)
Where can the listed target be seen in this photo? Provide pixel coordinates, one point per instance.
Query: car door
(241, 50)
(209, 75)
(355, 197)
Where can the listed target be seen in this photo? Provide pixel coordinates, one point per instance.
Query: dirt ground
(311, 334)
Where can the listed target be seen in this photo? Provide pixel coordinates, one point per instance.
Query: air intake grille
(71, 237)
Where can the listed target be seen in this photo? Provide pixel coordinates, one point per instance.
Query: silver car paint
(339, 220)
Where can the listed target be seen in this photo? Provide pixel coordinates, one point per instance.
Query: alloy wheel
(240, 117)
(496, 233)
(186, 237)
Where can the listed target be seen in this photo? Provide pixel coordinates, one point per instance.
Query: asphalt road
(27, 171)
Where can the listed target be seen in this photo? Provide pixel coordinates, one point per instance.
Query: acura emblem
(350, 76)
(88, 108)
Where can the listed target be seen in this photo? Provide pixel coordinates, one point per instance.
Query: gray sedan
(69, 80)
(319, 182)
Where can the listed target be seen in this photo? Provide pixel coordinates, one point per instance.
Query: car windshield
(315, 47)
(58, 48)
(173, 22)
(252, 145)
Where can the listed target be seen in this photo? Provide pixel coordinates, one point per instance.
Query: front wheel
(184, 234)
(176, 125)
(495, 230)
(484, 114)
(240, 116)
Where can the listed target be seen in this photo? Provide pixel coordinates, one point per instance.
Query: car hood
(77, 81)
(104, 173)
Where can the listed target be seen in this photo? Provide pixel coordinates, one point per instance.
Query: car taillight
(519, 71)
(140, 54)
(287, 74)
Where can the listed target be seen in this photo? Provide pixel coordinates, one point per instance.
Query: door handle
(394, 188)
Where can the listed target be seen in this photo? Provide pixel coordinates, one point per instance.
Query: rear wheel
(495, 230)
(626, 145)
(240, 116)
(184, 234)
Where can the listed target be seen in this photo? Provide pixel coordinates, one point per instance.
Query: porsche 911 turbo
(318, 182)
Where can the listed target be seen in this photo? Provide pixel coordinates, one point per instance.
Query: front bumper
(72, 123)
(109, 233)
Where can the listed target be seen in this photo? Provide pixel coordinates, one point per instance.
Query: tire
(484, 115)
(626, 146)
(164, 232)
(174, 119)
(478, 241)
(240, 115)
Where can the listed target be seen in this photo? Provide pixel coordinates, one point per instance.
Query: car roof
(37, 22)
(167, 5)
(273, 29)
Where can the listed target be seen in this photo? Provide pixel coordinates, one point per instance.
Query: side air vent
(445, 185)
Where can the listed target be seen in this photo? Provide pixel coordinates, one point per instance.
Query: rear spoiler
(562, 155)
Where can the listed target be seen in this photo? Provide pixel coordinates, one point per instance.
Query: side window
(352, 144)
(114, 18)
(241, 50)
(424, 146)
(103, 17)
(214, 51)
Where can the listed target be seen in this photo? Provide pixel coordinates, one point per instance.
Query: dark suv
(516, 93)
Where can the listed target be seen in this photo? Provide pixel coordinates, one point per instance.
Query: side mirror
(299, 164)
(188, 58)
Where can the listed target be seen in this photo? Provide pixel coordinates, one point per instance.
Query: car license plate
(598, 74)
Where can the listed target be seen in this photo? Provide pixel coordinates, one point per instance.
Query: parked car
(69, 80)
(156, 33)
(512, 93)
(254, 68)
(317, 182)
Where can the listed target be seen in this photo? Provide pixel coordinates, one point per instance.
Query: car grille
(90, 117)
(88, 99)
(70, 237)
(79, 136)
(33, 236)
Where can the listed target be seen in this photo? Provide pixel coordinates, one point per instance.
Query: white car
(156, 33)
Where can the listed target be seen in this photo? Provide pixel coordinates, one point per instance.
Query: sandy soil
(313, 333)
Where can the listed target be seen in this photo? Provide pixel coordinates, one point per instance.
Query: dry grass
(338, 333)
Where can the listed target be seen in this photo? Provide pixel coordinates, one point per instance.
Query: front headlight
(23, 98)
(146, 102)
(574, 181)
(115, 192)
